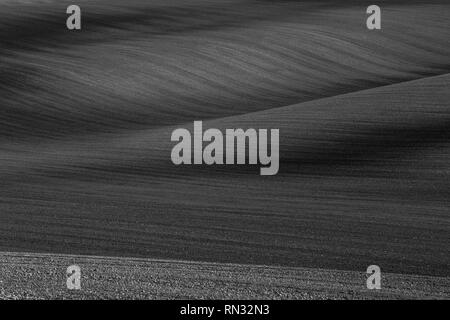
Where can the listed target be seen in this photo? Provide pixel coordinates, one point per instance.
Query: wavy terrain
(147, 64)
(364, 118)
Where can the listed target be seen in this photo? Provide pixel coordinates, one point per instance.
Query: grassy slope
(86, 120)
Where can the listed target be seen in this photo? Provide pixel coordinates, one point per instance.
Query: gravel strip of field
(43, 276)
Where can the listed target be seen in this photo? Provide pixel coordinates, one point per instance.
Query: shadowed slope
(363, 180)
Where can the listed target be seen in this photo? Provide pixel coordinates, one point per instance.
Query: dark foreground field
(43, 276)
(364, 119)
